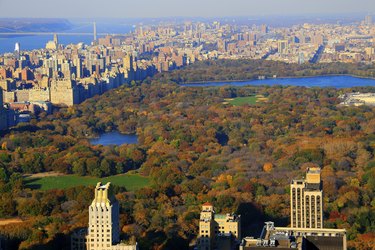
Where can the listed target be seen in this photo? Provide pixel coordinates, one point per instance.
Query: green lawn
(129, 181)
(239, 101)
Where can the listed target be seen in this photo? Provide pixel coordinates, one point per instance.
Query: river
(39, 41)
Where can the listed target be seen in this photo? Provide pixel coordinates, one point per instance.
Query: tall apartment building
(282, 46)
(64, 92)
(368, 20)
(306, 201)
(3, 113)
(103, 232)
(218, 231)
(306, 231)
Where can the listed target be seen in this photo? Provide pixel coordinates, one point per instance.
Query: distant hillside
(34, 24)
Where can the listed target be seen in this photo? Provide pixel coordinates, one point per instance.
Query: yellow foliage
(225, 178)
(222, 178)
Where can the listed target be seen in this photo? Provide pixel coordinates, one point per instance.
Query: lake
(318, 81)
(114, 138)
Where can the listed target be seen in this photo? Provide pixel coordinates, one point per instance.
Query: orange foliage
(267, 167)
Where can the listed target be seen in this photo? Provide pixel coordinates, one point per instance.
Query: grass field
(130, 181)
(248, 100)
(239, 101)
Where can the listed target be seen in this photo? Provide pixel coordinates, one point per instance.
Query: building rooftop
(227, 217)
(103, 195)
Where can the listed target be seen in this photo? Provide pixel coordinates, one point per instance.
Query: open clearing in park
(130, 181)
(248, 100)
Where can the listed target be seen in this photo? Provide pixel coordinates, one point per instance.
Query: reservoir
(114, 138)
(343, 81)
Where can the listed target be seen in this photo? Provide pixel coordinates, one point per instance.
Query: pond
(114, 138)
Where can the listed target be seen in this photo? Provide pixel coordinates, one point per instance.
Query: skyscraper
(3, 113)
(56, 40)
(264, 29)
(104, 230)
(306, 201)
(282, 46)
(53, 45)
(95, 35)
(368, 20)
(17, 50)
(77, 62)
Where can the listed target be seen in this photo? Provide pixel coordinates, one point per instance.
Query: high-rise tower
(95, 32)
(306, 201)
(17, 50)
(3, 113)
(103, 232)
(368, 20)
(104, 228)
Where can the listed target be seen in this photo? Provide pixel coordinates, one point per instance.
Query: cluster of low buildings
(358, 99)
(223, 232)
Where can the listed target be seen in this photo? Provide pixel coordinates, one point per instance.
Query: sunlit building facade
(306, 200)
(218, 231)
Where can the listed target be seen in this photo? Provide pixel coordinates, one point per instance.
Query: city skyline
(170, 8)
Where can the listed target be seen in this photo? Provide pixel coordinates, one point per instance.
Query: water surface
(318, 81)
(114, 138)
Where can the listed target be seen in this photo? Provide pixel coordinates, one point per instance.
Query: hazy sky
(172, 8)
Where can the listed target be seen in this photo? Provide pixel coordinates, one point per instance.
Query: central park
(237, 147)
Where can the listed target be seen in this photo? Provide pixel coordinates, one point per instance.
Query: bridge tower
(95, 31)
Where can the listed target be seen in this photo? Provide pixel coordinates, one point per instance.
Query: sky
(179, 8)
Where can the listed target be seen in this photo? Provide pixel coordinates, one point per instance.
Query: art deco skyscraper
(104, 228)
(306, 201)
(103, 232)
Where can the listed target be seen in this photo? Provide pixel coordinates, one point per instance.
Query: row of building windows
(93, 230)
(98, 239)
(100, 236)
(98, 217)
(98, 245)
(98, 209)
